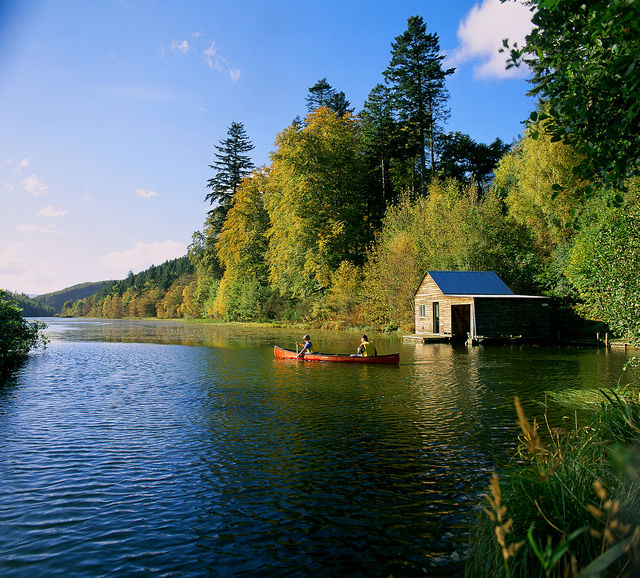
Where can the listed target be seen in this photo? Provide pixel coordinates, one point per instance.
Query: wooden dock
(421, 338)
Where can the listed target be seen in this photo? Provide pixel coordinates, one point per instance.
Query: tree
(417, 81)
(316, 202)
(537, 181)
(231, 164)
(464, 159)
(17, 335)
(323, 94)
(584, 58)
(242, 243)
(381, 140)
(604, 264)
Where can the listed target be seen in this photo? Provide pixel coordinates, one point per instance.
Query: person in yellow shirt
(366, 347)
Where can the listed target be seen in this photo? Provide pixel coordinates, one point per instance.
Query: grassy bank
(569, 504)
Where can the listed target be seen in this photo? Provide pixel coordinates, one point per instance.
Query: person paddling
(366, 347)
(307, 347)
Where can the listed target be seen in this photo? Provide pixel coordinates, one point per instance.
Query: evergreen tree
(417, 81)
(339, 104)
(231, 164)
(463, 158)
(320, 94)
(381, 142)
(323, 94)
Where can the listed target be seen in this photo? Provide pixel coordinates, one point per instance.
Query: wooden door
(460, 320)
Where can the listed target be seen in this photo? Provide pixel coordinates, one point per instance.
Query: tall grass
(566, 506)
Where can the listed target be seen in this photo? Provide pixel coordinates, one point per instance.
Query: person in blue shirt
(307, 346)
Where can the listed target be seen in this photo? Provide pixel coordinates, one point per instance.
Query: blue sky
(110, 110)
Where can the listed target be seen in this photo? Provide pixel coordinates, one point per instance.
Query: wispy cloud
(33, 186)
(18, 166)
(212, 55)
(145, 194)
(143, 255)
(181, 46)
(216, 61)
(49, 211)
(481, 34)
(30, 228)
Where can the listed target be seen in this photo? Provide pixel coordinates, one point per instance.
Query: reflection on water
(124, 452)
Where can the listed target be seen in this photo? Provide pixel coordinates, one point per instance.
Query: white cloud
(481, 34)
(142, 256)
(30, 228)
(9, 186)
(17, 166)
(216, 61)
(180, 46)
(144, 193)
(49, 211)
(213, 58)
(33, 186)
(87, 196)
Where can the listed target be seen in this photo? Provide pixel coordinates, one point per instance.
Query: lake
(133, 448)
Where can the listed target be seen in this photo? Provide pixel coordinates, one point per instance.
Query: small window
(436, 317)
(423, 310)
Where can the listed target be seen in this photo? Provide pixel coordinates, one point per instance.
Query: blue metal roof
(469, 283)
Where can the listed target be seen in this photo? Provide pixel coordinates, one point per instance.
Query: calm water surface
(134, 448)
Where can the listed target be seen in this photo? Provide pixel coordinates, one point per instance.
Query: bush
(17, 335)
(566, 504)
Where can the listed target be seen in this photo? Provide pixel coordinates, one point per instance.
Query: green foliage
(464, 159)
(417, 82)
(323, 94)
(571, 500)
(604, 264)
(17, 335)
(450, 229)
(537, 181)
(75, 292)
(32, 307)
(316, 203)
(584, 57)
(231, 164)
(243, 242)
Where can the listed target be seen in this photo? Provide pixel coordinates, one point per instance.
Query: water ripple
(214, 459)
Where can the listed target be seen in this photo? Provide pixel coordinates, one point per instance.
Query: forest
(353, 208)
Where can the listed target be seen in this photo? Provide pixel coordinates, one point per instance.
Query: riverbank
(568, 502)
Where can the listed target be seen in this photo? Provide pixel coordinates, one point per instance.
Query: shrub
(17, 335)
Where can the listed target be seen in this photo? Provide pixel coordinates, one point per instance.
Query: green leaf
(602, 562)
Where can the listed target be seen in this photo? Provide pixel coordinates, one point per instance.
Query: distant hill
(58, 298)
(32, 307)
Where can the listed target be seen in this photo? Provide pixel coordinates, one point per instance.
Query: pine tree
(323, 94)
(231, 164)
(417, 81)
(380, 139)
(320, 94)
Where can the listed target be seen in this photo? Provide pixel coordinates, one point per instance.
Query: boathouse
(477, 305)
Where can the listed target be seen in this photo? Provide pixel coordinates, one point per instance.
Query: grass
(568, 505)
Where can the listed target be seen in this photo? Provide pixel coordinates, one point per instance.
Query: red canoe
(390, 359)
